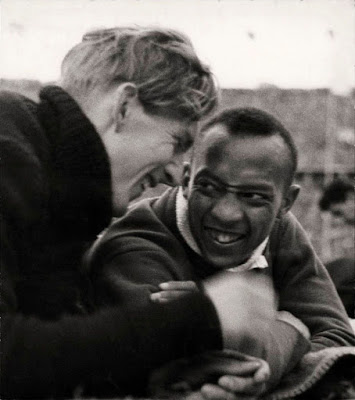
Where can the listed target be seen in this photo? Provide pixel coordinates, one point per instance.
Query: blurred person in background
(338, 198)
(230, 213)
(122, 115)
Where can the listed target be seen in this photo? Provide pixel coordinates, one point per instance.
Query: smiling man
(143, 90)
(124, 112)
(231, 213)
(237, 188)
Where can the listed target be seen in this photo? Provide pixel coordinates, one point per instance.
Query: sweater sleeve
(306, 289)
(50, 358)
(134, 256)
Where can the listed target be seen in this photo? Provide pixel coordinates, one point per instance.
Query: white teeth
(223, 238)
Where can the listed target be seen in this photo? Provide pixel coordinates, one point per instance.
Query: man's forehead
(214, 134)
(218, 139)
(210, 140)
(264, 155)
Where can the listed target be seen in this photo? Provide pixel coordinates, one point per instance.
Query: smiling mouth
(224, 238)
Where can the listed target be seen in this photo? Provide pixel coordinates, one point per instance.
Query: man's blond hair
(160, 62)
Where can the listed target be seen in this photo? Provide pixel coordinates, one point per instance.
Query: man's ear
(186, 178)
(125, 97)
(289, 198)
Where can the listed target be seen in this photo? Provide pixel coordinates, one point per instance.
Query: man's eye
(208, 187)
(254, 196)
(182, 145)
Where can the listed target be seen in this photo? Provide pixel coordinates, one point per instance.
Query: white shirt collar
(256, 260)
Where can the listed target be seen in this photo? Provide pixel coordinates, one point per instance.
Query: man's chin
(220, 262)
(223, 258)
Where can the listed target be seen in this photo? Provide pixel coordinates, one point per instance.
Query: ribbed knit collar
(81, 176)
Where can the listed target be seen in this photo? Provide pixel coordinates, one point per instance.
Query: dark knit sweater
(145, 248)
(55, 198)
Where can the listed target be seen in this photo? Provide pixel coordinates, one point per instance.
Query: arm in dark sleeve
(41, 358)
(50, 358)
(306, 289)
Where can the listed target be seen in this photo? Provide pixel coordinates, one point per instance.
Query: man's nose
(172, 174)
(228, 208)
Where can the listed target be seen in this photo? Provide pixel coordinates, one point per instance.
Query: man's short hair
(335, 192)
(162, 64)
(254, 122)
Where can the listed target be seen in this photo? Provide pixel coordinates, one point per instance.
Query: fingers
(210, 370)
(230, 367)
(252, 385)
(214, 392)
(237, 384)
(178, 285)
(166, 296)
(263, 373)
(173, 290)
(242, 387)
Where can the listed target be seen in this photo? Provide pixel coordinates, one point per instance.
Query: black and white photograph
(177, 199)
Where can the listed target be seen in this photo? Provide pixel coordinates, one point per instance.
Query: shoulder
(141, 228)
(18, 119)
(12, 103)
(291, 248)
(144, 219)
(23, 148)
(139, 218)
(154, 214)
(21, 133)
(288, 228)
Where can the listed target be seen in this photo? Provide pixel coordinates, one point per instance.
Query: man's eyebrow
(207, 173)
(252, 186)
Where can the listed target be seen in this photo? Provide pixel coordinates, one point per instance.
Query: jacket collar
(81, 201)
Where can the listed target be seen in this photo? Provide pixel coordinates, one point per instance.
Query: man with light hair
(122, 116)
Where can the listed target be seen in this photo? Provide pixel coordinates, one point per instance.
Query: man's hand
(216, 375)
(173, 290)
(234, 387)
(245, 305)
